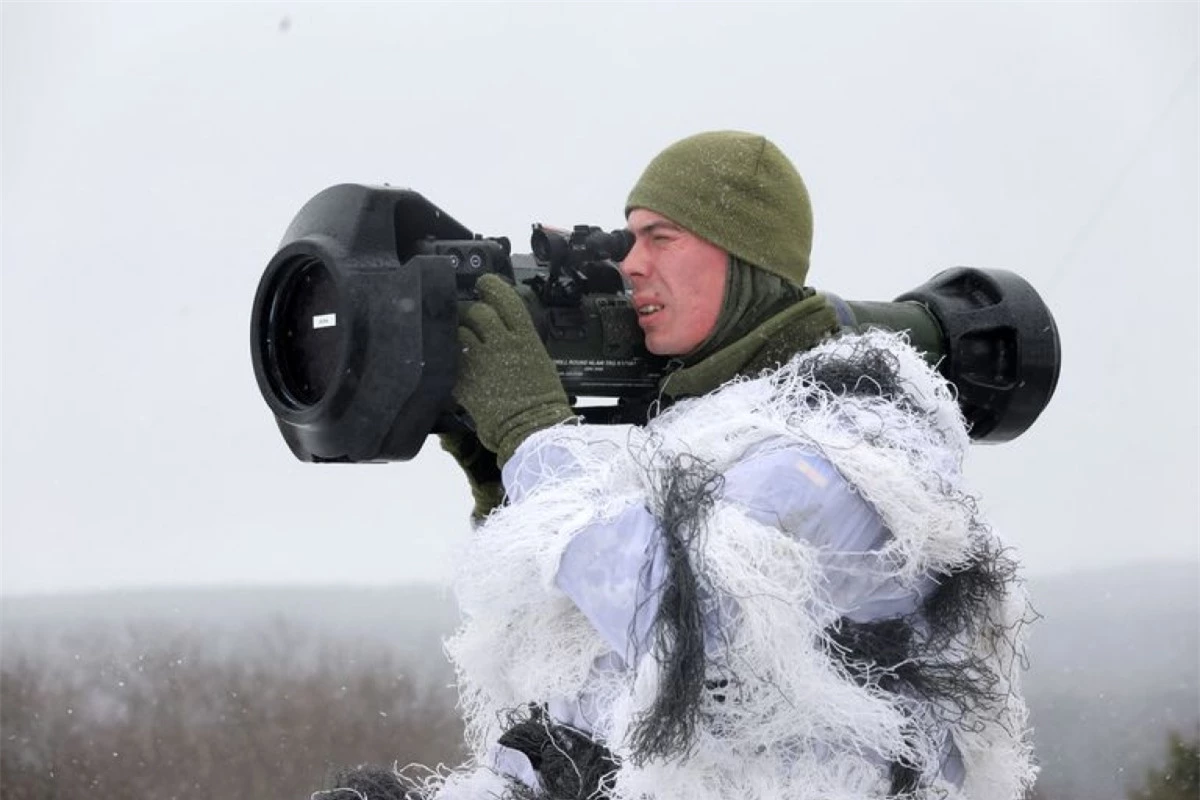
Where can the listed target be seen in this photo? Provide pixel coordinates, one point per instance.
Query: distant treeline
(165, 716)
(209, 694)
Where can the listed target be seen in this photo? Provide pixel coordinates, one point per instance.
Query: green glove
(506, 380)
(483, 472)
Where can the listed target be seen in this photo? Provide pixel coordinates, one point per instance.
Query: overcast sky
(153, 155)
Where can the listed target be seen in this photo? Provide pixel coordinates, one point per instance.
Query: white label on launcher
(324, 321)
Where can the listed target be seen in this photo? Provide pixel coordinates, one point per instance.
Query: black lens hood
(393, 365)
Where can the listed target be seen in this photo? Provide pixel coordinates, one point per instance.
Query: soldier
(778, 586)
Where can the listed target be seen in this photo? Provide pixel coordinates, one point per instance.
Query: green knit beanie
(738, 191)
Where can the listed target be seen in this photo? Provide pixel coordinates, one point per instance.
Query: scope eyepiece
(611, 246)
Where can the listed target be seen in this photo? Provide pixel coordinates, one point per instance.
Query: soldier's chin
(658, 347)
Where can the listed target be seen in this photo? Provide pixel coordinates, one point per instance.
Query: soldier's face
(678, 282)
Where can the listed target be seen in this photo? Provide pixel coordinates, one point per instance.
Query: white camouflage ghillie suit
(780, 589)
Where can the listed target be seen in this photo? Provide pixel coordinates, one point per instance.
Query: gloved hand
(483, 472)
(506, 380)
